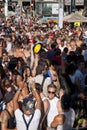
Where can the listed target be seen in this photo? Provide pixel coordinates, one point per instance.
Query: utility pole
(61, 11)
(6, 9)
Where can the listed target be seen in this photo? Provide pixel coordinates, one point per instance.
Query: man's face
(51, 93)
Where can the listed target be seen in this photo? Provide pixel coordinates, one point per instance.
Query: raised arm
(17, 94)
(58, 120)
(32, 57)
(36, 95)
(35, 64)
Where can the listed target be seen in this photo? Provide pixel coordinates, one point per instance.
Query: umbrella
(11, 13)
(75, 17)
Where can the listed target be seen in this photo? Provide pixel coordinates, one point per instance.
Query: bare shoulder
(46, 101)
(4, 116)
(60, 118)
(4, 112)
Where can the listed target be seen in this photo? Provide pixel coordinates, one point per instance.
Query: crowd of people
(43, 75)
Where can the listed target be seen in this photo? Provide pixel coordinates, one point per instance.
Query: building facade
(46, 7)
(51, 7)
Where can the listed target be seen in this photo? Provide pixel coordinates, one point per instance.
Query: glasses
(51, 92)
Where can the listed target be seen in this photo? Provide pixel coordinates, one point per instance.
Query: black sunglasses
(51, 92)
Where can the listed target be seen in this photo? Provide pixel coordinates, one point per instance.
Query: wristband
(19, 89)
(34, 89)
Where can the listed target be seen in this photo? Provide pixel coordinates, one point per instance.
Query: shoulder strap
(43, 119)
(43, 81)
(8, 113)
(27, 124)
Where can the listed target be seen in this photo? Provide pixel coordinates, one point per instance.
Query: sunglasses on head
(51, 92)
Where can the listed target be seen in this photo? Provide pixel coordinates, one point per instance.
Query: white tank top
(69, 120)
(53, 111)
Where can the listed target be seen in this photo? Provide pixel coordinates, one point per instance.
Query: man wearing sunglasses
(53, 100)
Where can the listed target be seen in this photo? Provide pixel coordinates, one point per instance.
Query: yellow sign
(76, 23)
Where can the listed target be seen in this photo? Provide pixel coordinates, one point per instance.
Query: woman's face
(28, 72)
(19, 63)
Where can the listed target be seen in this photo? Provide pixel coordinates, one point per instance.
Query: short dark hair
(38, 87)
(40, 69)
(65, 49)
(65, 101)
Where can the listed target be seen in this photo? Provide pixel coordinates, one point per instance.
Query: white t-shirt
(34, 122)
(9, 46)
(53, 111)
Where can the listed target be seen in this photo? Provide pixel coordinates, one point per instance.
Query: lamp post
(6, 9)
(61, 6)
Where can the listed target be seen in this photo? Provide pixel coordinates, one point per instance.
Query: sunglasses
(51, 92)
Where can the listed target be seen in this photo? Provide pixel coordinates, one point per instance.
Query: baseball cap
(8, 97)
(29, 103)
